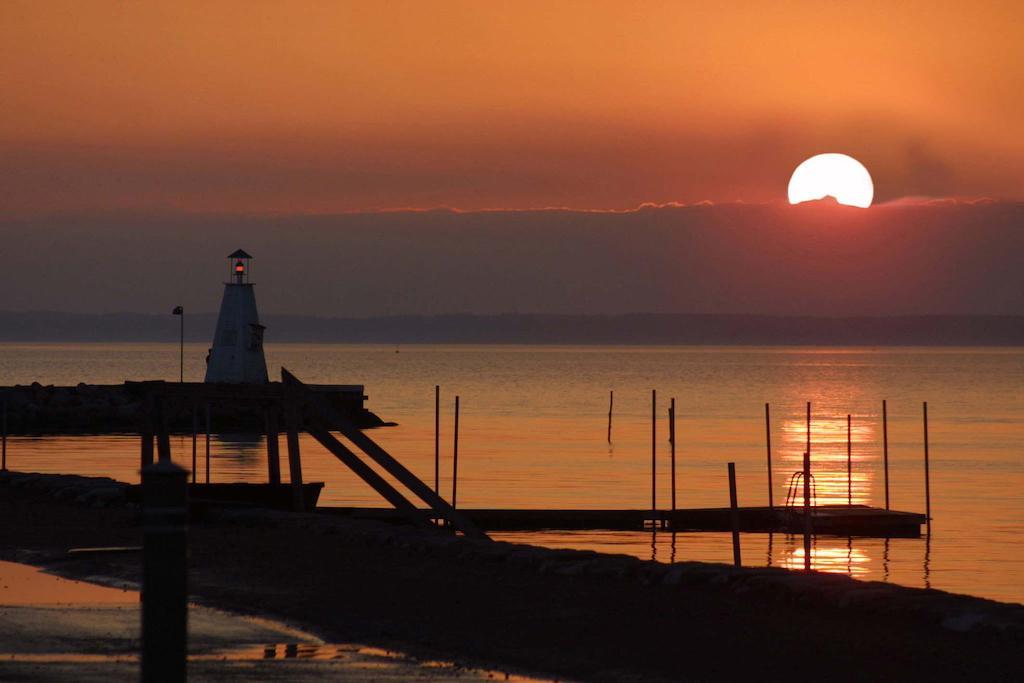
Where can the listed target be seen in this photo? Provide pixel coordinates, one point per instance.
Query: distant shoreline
(514, 328)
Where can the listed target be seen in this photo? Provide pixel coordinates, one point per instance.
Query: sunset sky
(268, 107)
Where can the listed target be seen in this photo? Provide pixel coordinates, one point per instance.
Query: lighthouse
(237, 352)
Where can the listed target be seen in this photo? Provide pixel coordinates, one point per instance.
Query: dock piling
(3, 448)
(455, 455)
(611, 403)
(163, 439)
(735, 516)
(146, 433)
(207, 442)
(885, 450)
(768, 445)
(849, 461)
(808, 427)
(927, 478)
(437, 438)
(672, 444)
(294, 454)
(195, 429)
(654, 455)
(273, 447)
(807, 505)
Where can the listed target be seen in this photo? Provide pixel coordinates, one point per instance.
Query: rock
(674, 576)
(964, 622)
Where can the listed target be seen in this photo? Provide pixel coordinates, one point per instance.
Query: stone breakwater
(118, 409)
(92, 491)
(765, 585)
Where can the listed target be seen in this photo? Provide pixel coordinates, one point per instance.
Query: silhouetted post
(273, 447)
(808, 427)
(807, 509)
(437, 439)
(164, 573)
(611, 403)
(180, 312)
(294, 455)
(3, 448)
(146, 447)
(195, 430)
(163, 439)
(885, 451)
(455, 454)
(849, 461)
(207, 442)
(672, 442)
(734, 515)
(768, 444)
(654, 453)
(927, 481)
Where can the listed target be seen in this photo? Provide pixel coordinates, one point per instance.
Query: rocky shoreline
(572, 613)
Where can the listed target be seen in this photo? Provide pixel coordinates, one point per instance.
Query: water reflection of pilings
(848, 559)
(245, 446)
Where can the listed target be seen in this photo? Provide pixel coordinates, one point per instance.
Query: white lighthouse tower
(237, 352)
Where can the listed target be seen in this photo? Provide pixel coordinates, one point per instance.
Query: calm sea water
(533, 429)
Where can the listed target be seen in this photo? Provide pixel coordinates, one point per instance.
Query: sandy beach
(566, 614)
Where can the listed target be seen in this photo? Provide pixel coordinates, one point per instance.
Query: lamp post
(180, 312)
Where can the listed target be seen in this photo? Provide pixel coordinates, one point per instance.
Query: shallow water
(52, 627)
(533, 429)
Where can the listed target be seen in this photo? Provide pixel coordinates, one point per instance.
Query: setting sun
(832, 175)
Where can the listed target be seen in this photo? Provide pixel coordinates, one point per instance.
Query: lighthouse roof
(239, 253)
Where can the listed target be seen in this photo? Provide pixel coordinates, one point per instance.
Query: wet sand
(564, 613)
(55, 628)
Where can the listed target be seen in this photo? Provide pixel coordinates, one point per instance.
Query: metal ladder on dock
(791, 514)
(795, 485)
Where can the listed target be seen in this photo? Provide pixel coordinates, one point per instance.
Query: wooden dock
(839, 520)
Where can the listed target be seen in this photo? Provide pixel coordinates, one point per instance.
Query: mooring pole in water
(672, 442)
(294, 419)
(455, 455)
(195, 430)
(849, 461)
(163, 439)
(146, 432)
(808, 427)
(807, 508)
(273, 447)
(611, 403)
(885, 450)
(207, 442)
(768, 445)
(734, 515)
(927, 481)
(654, 455)
(3, 458)
(437, 439)
(164, 573)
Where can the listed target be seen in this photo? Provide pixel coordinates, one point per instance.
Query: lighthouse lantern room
(237, 352)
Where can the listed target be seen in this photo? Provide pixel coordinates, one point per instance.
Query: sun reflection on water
(835, 484)
(849, 560)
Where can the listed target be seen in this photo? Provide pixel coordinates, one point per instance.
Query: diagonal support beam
(366, 473)
(382, 457)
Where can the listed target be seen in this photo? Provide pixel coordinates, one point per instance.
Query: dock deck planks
(840, 520)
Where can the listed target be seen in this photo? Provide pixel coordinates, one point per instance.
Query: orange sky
(320, 107)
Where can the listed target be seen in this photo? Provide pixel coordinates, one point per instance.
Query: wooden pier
(154, 409)
(839, 520)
